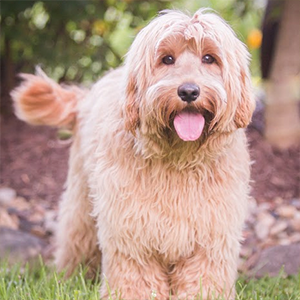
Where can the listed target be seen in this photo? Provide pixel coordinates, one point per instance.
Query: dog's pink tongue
(189, 126)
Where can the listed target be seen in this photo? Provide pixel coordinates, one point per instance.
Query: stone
(295, 237)
(295, 223)
(296, 203)
(38, 214)
(246, 252)
(278, 227)
(7, 220)
(284, 241)
(38, 230)
(252, 206)
(18, 246)
(7, 195)
(264, 206)
(264, 222)
(278, 201)
(50, 222)
(286, 211)
(20, 204)
(282, 235)
(272, 260)
(267, 242)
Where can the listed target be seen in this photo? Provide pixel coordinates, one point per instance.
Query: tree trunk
(283, 87)
(7, 77)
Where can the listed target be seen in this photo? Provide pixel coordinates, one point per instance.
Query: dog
(159, 169)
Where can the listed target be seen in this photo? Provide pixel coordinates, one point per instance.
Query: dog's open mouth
(189, 125)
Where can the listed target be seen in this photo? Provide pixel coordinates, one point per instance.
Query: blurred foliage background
(79, 40)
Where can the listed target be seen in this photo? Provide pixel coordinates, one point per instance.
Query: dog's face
(187, 78)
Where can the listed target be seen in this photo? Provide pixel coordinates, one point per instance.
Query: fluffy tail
(41, 101)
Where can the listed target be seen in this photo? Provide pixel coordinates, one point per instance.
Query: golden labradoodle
(158, 181)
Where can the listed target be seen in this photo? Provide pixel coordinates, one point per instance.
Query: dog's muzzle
(189, 124)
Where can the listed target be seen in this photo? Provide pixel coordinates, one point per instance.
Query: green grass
(276, 288)
(43, 283)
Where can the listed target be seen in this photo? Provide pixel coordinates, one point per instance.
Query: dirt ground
(34, 162)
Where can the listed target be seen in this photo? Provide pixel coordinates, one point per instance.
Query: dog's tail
(41, 101)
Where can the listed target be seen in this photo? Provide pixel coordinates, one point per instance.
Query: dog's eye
(208, 59)
(168, 60)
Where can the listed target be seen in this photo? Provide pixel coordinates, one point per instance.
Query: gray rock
(7, 195)
(19, 246)
(279, 227)
(272, 260)
(264, 222)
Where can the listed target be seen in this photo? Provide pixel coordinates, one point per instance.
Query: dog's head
(187, 78)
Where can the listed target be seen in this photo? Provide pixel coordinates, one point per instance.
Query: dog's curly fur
(158, 213)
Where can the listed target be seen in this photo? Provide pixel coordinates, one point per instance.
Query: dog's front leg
(201, 277)
(127, 278)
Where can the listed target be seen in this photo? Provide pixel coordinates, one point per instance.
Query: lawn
(43, 283)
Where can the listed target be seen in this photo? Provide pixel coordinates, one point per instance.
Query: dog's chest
(156, 210)
(164, 222)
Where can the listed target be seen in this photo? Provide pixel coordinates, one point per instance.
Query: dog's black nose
(188, 92)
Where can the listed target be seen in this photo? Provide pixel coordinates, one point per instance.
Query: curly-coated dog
(158, 181)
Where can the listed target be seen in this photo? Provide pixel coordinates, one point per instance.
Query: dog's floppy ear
(246, 103)
(238, 85)
(131, 105)
(137, 70)
(245, 98)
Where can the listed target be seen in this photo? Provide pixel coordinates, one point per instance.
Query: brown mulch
(33, 160)
(34, 163)
(275, 172)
